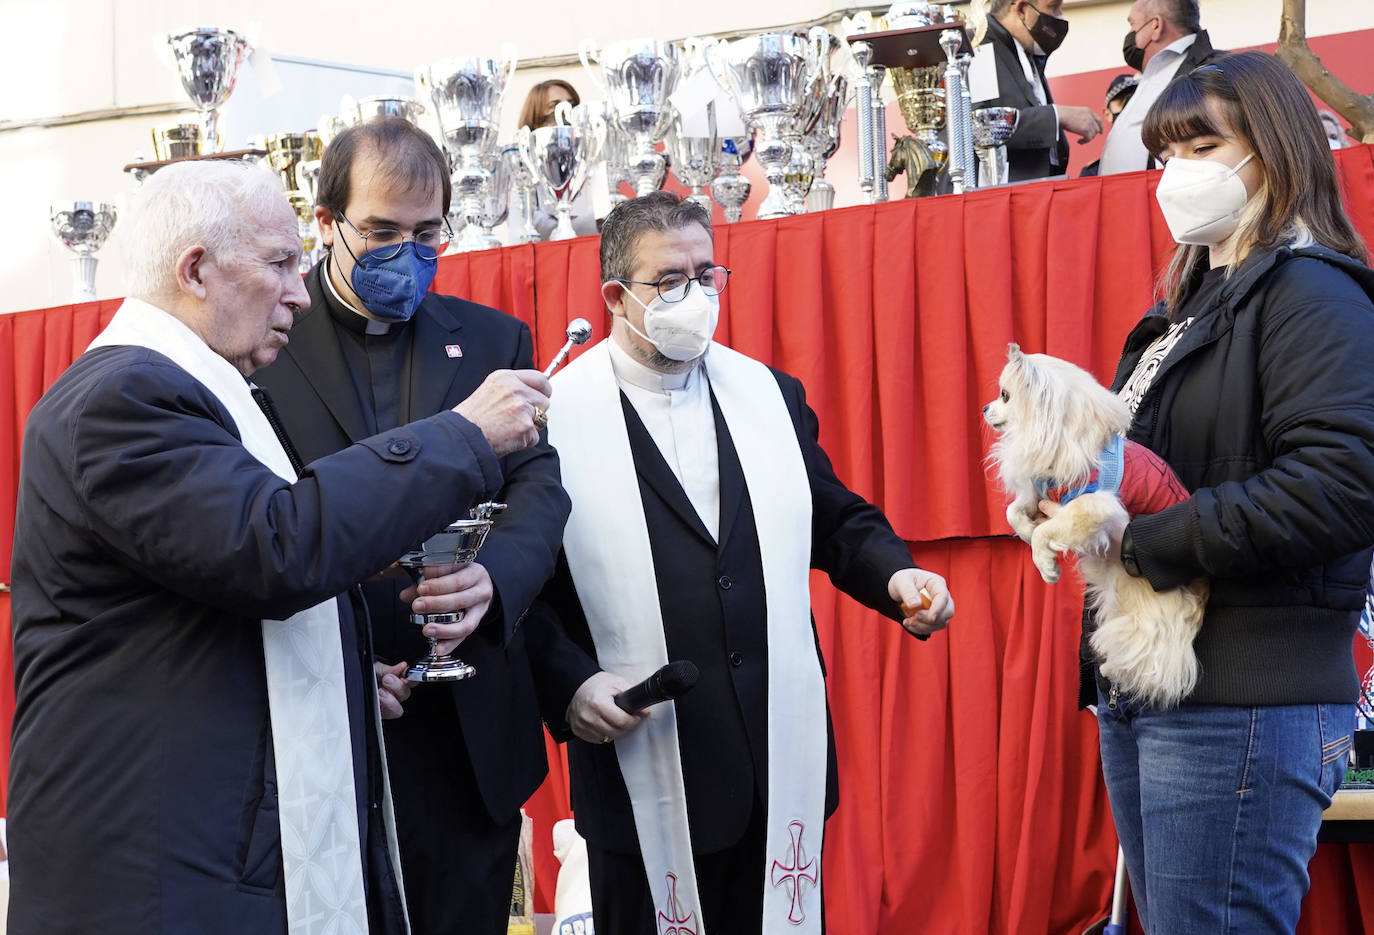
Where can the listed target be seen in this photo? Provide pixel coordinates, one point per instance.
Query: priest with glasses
(700, 501)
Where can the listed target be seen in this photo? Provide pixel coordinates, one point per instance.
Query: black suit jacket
(497, 721)
(149, 546)
(1037, 131)
(713, 607)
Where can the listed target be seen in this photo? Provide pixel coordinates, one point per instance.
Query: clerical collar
(631, 371)
(345, 312)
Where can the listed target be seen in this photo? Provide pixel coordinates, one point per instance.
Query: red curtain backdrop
(971, 801)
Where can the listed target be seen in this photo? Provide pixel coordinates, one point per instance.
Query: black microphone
(669, 682)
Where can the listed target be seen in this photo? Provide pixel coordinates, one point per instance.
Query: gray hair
(630, 220)
(1183, 14)
(217, 204)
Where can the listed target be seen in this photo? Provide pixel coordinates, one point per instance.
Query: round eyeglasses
(384, 243)
(672, 287)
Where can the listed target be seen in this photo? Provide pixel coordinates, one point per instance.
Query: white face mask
(680, 330)
(1201, 199)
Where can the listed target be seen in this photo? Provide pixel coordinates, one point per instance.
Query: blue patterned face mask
(393, 288)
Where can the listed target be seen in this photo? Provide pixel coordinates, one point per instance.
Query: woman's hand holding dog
(1114, 532)
(905, 587)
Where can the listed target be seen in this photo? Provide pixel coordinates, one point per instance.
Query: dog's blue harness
(1111, 468)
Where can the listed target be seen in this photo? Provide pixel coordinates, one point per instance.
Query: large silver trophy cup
(208, 60)
(456, 545)
(467, 94)
(560, 157)
(637, 78)
(83, 226)
(768, 76)
(992, 127)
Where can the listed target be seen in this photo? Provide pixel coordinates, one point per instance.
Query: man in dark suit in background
(376, 349)
(701, 498)
(1021, 36)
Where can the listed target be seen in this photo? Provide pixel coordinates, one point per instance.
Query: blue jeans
(1217, 808)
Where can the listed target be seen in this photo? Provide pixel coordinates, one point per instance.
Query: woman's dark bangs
(1179, 114)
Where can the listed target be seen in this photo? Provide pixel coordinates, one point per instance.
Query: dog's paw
(1048, 566)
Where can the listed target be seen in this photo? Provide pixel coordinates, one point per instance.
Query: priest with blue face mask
(701, 500)
(379, 348)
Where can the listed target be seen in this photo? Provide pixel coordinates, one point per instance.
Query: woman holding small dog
(1252, 380)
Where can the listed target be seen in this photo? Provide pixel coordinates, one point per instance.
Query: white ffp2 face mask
(680, 330)
(1202, 199)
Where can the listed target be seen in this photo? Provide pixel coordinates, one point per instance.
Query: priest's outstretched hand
(905, 587)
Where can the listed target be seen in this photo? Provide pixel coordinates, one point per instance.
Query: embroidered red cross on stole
(796, 871)
(678, 921)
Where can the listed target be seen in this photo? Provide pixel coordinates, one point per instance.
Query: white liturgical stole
(607, 546)
(316, 798)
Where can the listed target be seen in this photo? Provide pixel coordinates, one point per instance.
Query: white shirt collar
(1165, 56)
(628, 370)
(373, 325)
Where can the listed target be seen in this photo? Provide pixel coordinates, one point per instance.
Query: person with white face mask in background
(1251, 379)
(701, 499)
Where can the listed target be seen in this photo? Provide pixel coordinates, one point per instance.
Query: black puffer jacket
(1265, 408)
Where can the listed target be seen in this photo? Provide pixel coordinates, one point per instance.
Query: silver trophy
(467, 92)
(503, 165)
(823, 140)
(731, 189)
(617, 156)
(377, 107)
(992, 127)
(637, 78)
(696, 159)
(561, 156)
(456, 545)
(83, 226)
(525, 185)
(768, 75)
(208, 60)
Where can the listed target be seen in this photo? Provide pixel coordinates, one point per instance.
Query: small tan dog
(1061, 438)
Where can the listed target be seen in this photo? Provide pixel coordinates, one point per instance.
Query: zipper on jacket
(1111, 697)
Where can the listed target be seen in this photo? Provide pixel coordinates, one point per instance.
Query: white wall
(72, 57)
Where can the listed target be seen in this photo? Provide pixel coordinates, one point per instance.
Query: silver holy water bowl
(457, 544)
(83, 227)
(637, 77)
(992, 127)
(208, 60)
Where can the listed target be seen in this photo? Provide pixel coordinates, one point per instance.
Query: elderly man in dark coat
(197, 720)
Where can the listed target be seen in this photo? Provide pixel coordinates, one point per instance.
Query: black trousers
(729, 882)
(458, 863)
